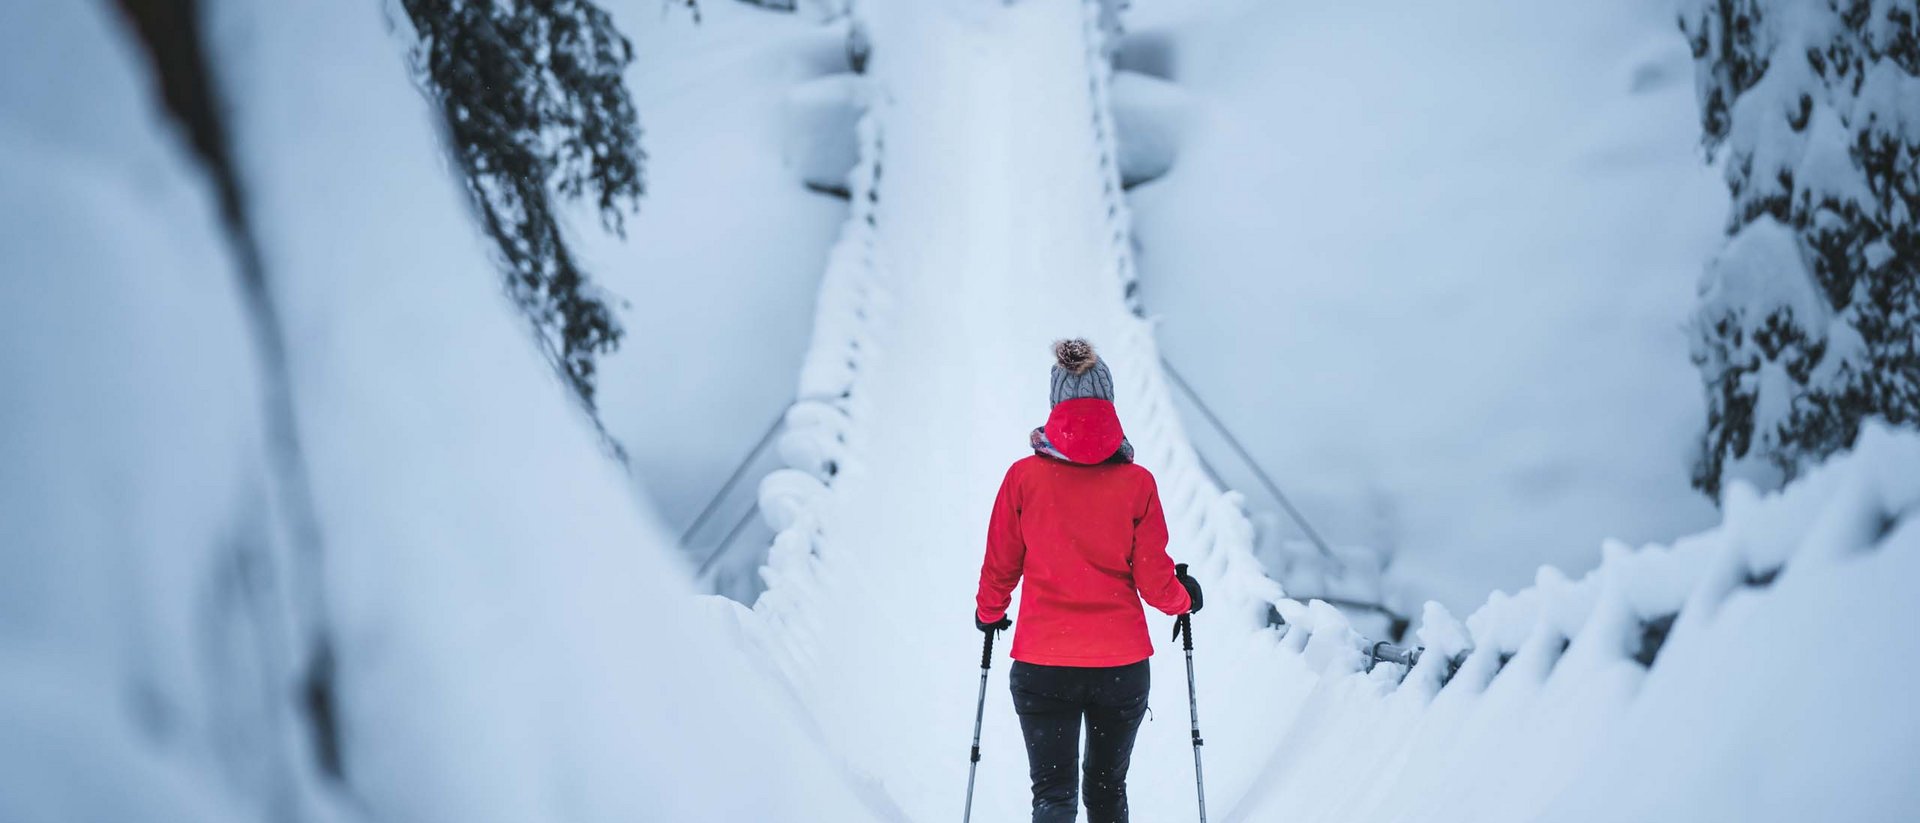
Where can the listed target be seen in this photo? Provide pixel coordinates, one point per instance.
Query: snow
(1432, 264)
(516, 639)
(495, 584)
(69, 756)
(130, 455)
(1778, 702)
(1440, 634)
(1889, 99)
(1796, 644)
(721, 263)
(821, 117)
(1759, 272)
(1547, 679)
(931, 338)
(518, 634)
(1153, 115)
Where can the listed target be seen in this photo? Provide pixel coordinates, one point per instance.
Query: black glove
(1002, 624)
(1192, 586)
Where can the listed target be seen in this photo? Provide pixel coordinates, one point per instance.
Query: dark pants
(1051, 700)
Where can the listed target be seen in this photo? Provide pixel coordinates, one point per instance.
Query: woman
(1082, 524)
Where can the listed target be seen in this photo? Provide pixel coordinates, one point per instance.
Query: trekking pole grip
(986, 651)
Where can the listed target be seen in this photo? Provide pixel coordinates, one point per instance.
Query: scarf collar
(1041, 446)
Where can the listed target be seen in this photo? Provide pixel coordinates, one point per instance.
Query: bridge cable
(738, 472)
(1247, 457)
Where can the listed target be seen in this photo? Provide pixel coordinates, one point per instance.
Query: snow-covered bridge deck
(987, 222)
(994, 227)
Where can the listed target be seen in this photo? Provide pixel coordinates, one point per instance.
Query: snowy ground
(1432, 262)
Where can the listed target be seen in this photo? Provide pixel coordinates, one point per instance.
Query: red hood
(1085, 429)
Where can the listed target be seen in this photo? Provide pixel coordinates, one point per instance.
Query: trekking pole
(979, 712)
(1183, 626)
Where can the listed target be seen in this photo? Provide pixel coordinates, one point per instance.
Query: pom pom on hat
(1076, 355)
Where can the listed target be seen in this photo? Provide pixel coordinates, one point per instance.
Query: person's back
(1082, 526)
(1078, 529)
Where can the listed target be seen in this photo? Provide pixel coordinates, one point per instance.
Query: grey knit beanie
(1078, 372)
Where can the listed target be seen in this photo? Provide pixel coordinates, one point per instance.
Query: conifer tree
(1808, 316)
(537, 112)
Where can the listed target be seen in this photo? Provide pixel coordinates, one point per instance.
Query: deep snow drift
(516, 640)
(131, 468)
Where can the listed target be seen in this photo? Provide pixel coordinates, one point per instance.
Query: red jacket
(1091, 542)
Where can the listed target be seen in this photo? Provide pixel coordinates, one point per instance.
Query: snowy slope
(134, 665)
(141, 655)
(515, 638)
(500, 598)
(1432, 262)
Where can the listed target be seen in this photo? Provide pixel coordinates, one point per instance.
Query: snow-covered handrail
(1635, 597)
(1575, 651)
(822, 427)
(820, 424)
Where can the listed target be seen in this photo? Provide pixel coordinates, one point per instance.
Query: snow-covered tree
(537, 112)
(1808, 317)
